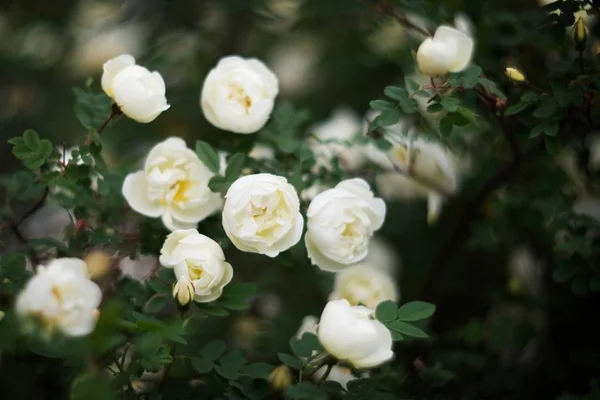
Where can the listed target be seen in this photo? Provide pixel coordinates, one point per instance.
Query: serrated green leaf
(446, 125)
(389, 117)
(435, 107)
(406, 329)
(415, 311)
(258, 370)
(305, 391)
(386, 311)
(395, 92)
(450, 103)
(208, 156)
(218, 184)
(213, 350)
(156, 304)
(412, 85)
(381, 105)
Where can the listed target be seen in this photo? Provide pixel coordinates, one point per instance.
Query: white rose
(238, 94)
(339, 374)
(139, 93)
(200, 259)
(433, 164)
(364, 284)
(350, 334)
(340, 223)
(337, 137)
(262, 214)
(174, 185)
(61, 296)
(449, 50)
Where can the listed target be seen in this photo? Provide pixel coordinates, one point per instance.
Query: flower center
(237, 93)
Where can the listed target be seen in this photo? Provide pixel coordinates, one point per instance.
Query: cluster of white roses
(261, 212)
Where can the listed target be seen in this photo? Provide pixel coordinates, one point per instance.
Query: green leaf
(235, 164)
(395, 92)
(201, 365)
(381, 105)
(396, 336)
(386, 311)
(213, 350)
(208, 155)
(239, 290)
(218, 184)
(289, 360)
(411, 84)
(156, 304)
(298, 348)
(563, 273)
(389, 117)
(91, 387)
(547, 109)
(450, 103)
(406, 329)
(45, 149)
(446, 125)
(305, 390)
(435, 107)
(258, 370)
(232, 363)
(31, 140)
(415, 311)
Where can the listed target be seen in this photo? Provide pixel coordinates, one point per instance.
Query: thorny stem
(316, 363)
(326, 374)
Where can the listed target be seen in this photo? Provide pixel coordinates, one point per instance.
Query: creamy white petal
(135, 191)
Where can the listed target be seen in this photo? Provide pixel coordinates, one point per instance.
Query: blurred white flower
(200, 260)
(386, 39)
(139, 268)
(337, 136)
(464, 24)
(294, 62)
(262, 151)
(350, 334)
(525, 271)
(309, 193)
(139, 93)
(41, 44)
(364, 284)
(174, 185)
(434, 165)
(238, 95)
(92, 49)
(449, 50)
(341, 221)
(262, 214)
(61, 296)
(339, 374)
(588, 205)
(383, 256)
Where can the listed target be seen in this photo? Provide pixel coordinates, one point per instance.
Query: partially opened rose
(262, 214)
(197, 259)
(364, 284)
(238, 94)
(449, 50)
(139, 93)
(340, 223)
(350, 334)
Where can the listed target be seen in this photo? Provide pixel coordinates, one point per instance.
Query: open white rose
(435, 165)
(238, 94)
(61, 296)
(364, 284)
(339, 374)
(337, 137)
(340, 223)
(262, 214)
(449, 50)
(139, 93)
(198, 258)
(174, 185)
(350, 334)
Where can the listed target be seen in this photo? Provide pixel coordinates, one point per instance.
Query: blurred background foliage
(508, 325)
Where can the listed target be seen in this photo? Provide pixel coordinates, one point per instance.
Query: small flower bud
(514, 75)
(580, 35)
(183, 292)
(280, 378)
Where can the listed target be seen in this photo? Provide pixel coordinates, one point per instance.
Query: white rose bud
(364, 284)
(340, 223)
(238, 94)
(199, 259)
(183, 291)
(61, 297)
(174, 185)
(350, 334)
(262, 214)
(139, 93)
(449, 50)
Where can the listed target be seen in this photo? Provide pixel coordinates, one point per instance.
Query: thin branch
(326, 374)
(387, 7)
(121, 370)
